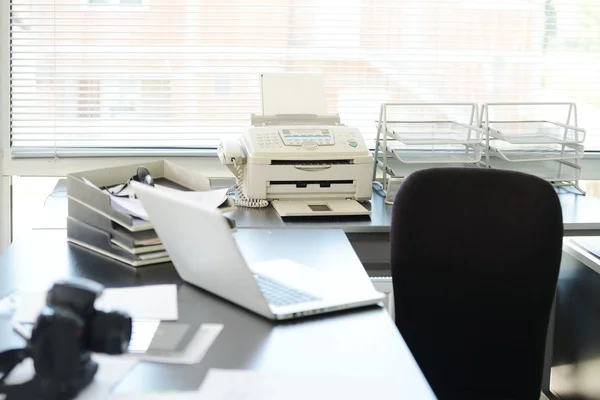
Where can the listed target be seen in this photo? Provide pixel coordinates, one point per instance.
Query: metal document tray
(436, 153)
(541, 132)
(434, 132)
(535, 152)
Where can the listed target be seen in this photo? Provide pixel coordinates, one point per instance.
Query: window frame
(5, 180)
(203, 160)
(34, 164)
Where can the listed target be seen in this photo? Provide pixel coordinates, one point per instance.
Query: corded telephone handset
(232, 154)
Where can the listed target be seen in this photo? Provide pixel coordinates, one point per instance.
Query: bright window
(116, 2)
(100, 74)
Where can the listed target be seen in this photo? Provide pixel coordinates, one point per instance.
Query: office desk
(370, 237)
(581, 217)
(575, 365)
(361, 342)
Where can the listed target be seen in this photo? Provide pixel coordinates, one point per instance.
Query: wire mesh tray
(535, 152)
(550, 170)
(436, 153)
(434, 132)
(522, 132)
(398, 169)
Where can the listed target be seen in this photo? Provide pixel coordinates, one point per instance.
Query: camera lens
(110, 332)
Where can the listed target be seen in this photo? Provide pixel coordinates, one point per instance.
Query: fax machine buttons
(310, 145)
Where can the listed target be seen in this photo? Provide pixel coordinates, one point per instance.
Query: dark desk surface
(360, 343)
(581, 215)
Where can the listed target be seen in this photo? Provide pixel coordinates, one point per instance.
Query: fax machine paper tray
(311, 208)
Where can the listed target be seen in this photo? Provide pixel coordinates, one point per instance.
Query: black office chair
(475, 255)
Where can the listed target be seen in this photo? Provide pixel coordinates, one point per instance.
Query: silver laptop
(205, 254)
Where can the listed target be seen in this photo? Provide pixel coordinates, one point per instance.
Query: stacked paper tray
(435, 153)
(536, 152)
(536, 132)
(413, 136)
(399, 169)
(102, 242)
(98, 223)
(434, 132)
(528, 137)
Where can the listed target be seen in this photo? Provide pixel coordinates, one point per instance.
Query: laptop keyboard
(278, 294)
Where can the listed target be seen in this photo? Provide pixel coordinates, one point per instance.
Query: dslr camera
(66, 332)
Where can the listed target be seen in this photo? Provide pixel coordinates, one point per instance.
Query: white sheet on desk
(134, 207)
(193, 352)
(111, 370)
(157, 302)
(254, 385)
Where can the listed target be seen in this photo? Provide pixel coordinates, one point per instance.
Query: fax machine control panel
(305, 138)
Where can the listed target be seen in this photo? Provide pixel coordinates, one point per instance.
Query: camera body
(67, 331)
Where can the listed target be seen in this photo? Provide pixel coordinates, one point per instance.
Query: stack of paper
(106, 217)
(144, 247)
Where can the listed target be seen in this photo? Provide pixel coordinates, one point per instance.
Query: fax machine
(304, 164)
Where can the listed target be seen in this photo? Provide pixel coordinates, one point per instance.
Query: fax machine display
(296, 137)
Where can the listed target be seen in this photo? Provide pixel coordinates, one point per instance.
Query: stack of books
(117, 226)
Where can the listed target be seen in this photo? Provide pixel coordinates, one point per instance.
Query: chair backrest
(475, 255)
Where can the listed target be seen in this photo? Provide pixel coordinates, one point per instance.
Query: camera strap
(9, 359)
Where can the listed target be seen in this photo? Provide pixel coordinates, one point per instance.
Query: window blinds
(180, 74)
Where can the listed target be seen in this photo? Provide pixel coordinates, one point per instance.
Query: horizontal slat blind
(180, 74)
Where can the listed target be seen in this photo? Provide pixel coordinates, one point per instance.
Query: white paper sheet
(111, 370)
(134, 207)
(209, 198)
(194, 351)
(153, 255)
(130, 206)
(255, 385)
(157, 302)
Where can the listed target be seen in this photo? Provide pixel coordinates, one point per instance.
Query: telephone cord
(242, 200)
